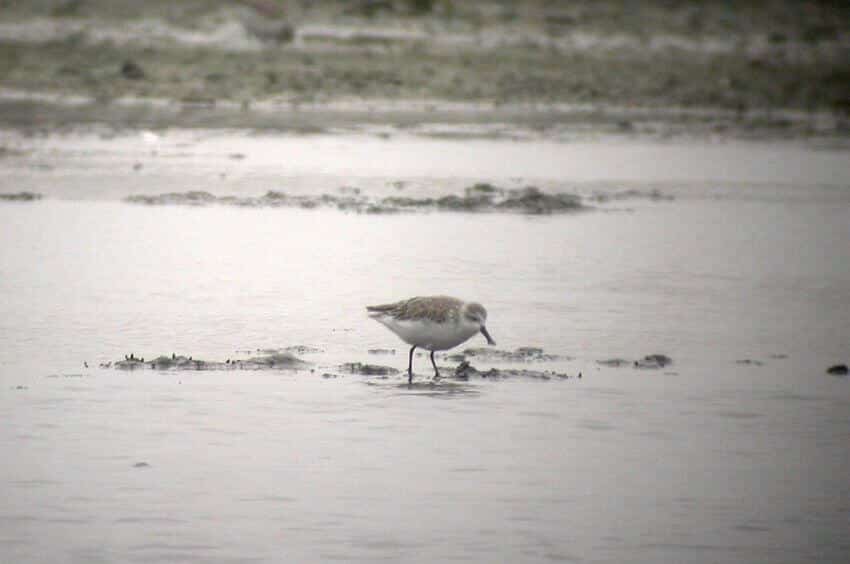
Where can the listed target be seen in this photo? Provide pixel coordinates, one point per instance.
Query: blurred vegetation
(810, 20)
(523, 72)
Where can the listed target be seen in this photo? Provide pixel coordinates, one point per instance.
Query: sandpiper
(435, 323)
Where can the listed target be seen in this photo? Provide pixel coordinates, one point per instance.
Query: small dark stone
(141, 465)
(625, 125)
(837, 370)
(132, 71)
(653, 361)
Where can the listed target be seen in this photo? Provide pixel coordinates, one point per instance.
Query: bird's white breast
(429, 334)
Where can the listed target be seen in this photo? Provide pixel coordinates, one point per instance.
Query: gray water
(707, 460)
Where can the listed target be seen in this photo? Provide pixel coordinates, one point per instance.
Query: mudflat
(780, 68)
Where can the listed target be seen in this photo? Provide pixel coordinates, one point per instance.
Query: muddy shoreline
(39, 114)
(479, 198)
(285, 359)
(601, 67)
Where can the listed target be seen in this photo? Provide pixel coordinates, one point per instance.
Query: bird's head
(475, 313)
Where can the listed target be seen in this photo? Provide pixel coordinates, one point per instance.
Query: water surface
(707, 460)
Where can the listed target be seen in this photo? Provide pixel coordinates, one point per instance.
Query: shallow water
(707, 460)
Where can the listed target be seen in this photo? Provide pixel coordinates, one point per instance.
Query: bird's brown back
(434, 308)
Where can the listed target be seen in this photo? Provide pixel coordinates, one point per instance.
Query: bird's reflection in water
(431, 388)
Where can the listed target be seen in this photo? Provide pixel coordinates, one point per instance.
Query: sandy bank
(213, 63)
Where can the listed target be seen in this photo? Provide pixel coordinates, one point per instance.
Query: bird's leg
(436, 371)
(410, 366)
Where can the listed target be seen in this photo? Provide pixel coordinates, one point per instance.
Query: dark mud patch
(615, 362)
(480, 198)
(10, 152)
(837, 370)
(381, 351)
(521, 354)
(649, 362)
(488, 198)
(274, 361)
(19, 197)
(465, 371)
(653, 195)
(364, 369)
(293, 349)
(653, 361)
(191, 198)
(749, 362)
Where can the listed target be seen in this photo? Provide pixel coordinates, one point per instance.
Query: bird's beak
(484, 332)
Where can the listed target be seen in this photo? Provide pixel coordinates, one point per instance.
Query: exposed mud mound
(533, 201)
(480, 198)
(19, 197)
(279, 360)
(487, 198)
(749, 362)
(367, 369)
(381, 351)
(465, 371)
(653, 361)
(615, 362)
(522, 354)
(192, 198)
(654, 195)
(276, 360)
(649, 362)
(292, 349)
